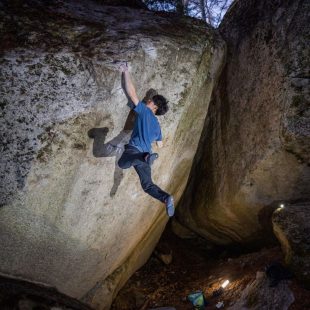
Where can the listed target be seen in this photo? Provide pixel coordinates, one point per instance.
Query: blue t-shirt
(146, 129)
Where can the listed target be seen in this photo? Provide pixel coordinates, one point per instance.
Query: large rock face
(291, 225)
(255, 148)
(70, 218)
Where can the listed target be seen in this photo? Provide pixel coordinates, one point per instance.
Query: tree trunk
(203, 10)
(179, 7)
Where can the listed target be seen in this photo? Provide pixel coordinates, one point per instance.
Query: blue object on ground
(198, 300)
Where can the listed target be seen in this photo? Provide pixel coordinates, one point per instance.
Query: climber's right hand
(123, 67)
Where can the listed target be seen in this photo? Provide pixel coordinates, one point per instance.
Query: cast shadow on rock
(112, 148)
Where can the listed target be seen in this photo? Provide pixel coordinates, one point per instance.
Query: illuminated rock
(70, 219)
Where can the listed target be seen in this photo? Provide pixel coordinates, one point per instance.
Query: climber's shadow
(116, 146)
(112, 148)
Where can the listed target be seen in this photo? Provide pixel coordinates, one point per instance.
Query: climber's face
(151, 105)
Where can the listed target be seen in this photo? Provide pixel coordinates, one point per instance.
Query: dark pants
(133, 157)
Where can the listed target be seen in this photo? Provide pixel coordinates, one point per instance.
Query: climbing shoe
(169, 206)
(150, 158)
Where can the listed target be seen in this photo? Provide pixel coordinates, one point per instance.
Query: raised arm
(130, 89)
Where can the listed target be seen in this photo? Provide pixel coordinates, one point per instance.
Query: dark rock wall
(254, 151)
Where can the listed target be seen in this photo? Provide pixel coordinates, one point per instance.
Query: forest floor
(194, 265)
(198, 266)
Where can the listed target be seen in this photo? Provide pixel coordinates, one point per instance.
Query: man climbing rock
(138, 152)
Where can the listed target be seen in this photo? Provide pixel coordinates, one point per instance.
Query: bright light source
(225, 283)
(281, 205)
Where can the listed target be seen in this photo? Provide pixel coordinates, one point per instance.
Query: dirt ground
(195, 265)
(198, 266)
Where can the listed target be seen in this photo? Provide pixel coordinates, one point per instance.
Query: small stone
(219, 305)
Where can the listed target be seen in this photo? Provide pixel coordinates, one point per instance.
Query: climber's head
(158, 104)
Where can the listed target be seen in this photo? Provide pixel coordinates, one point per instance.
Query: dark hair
(162, 104)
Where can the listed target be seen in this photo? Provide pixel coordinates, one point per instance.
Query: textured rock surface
(68, 218)
(255, 148)
(259, 296)
(291, 225)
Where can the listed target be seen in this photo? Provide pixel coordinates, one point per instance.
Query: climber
(138, 152)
